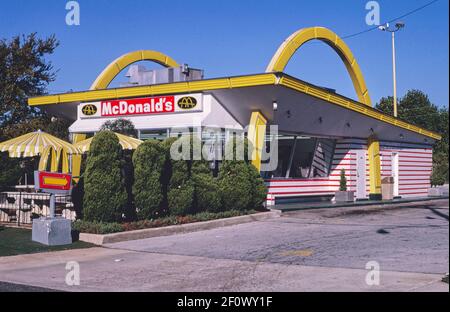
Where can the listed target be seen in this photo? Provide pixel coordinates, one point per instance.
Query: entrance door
(361, 174)
(394, 173)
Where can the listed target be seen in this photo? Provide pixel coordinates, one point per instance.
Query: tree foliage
(25, 72)
(104, 193)
(120, 125)
(416, 108)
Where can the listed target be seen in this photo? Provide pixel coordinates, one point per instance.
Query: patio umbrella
(126, 142)
(47, 146)
(35, 144)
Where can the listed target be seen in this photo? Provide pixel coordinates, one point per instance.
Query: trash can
(387, 188)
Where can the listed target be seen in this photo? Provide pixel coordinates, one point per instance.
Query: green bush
(240, 183)
(180, 190)
(343, 181)
(95, 227)
(439, 175)
(235, 185)
(259, 189)
(207, 193)
(107, 228)
(10, 171)
(148, 161)
(104, 190)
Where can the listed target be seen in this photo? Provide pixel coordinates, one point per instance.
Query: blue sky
(239, 37)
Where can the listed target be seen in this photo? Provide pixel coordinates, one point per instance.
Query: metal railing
(22, 207)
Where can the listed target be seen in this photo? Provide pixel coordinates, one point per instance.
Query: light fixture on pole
(393, 30)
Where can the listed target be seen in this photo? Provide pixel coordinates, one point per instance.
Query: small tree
(148, 161)
(343, 181)
(120, 125)
(104, 190)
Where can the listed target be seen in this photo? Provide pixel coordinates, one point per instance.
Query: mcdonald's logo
(89, 109)
(187, 102)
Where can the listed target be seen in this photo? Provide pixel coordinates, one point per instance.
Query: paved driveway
(413, 239)
(315, 250)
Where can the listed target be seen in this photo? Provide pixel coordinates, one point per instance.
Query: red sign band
(142, 106)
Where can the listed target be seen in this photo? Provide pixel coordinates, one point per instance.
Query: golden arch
(54, 159)
(297, 39)
(112, 70)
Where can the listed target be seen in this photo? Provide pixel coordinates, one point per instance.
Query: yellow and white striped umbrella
(127, 143)
(34, 144)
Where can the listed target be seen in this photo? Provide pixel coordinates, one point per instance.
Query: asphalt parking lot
(311, 250)
(411, 239)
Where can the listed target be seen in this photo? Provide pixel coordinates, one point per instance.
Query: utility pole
(387, 28)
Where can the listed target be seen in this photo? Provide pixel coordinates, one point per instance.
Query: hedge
(94, 227)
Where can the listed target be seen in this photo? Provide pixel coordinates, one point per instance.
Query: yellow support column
(76, 159)
(373, 149)
(256, 135)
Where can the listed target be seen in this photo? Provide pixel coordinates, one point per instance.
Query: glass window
(302, 157)
(298, 156)
(158, 134)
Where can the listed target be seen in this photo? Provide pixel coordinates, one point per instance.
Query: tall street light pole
(387, 28)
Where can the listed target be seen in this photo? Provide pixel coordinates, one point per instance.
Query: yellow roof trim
(229, 83)
(167, 88)
(295, 84)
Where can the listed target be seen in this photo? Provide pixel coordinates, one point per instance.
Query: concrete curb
(360, 204)
(101, 239)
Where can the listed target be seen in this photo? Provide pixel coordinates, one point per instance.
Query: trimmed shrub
(148, 160)
(207, 193)
(104, 190)
(234, 185)
(240, 183)
(259, 189)
(343, 181)
(180, 198)
(180, 190)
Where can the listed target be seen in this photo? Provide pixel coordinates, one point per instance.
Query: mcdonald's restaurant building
(319, 132)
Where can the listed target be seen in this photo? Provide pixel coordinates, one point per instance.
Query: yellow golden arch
(112, 70)
(287, 49)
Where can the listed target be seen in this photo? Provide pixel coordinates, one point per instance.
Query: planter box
(344, 196)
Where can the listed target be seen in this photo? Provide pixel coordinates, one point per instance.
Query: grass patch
(16, 241)
(108, 228)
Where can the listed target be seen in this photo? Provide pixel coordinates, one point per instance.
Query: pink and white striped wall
(415, 165)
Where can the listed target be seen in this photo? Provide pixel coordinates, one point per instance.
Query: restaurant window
(299, 156)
